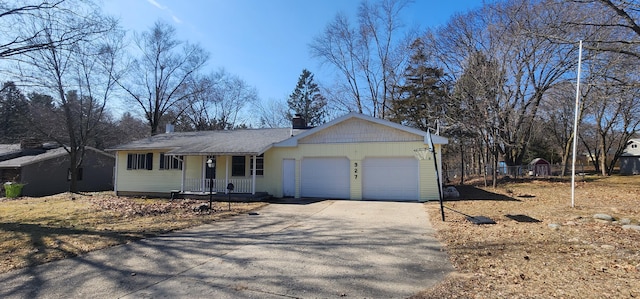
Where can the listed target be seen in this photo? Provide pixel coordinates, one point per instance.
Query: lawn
(568, 254)
(38, 230)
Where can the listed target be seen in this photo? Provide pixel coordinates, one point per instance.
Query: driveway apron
(326, 249)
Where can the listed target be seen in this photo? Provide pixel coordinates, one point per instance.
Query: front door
(288, 178)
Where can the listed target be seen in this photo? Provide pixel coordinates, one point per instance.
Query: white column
(184, 169)
(253, 177)
(203, 173)
(226, 174)
(115, 175)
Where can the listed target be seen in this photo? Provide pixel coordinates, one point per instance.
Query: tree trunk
(461, 164)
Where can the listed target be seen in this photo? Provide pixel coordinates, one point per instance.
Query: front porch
(215, 173)
(204, 185)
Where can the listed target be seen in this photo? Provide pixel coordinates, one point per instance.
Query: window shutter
(149, 161)
(162, 166)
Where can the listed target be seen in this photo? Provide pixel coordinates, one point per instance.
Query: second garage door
(325, 177)
(390, 178)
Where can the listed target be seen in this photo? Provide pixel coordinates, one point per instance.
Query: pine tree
(422, 97)
(307, 100)
(13, 108)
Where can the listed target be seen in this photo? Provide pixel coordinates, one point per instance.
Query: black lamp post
(210, 166)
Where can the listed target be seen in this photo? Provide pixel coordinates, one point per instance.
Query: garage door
(390, 178)
(325, 177)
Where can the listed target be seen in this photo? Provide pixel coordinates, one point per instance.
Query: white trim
(293, 141)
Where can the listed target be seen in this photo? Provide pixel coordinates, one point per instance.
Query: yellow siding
(157, 180)
(194, 166)
(142, 180)
(357, 130)
(355, 152)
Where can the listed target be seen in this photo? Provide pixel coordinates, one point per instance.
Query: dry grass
(38, 230)
(583, 258)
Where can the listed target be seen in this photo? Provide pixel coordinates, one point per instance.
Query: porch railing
(219, 185)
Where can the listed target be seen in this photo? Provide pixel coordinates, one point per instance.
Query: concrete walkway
(326, 249)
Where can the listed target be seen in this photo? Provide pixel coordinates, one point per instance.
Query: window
(140, 161)
(238, 165)
(170, 162)
(259, 165)
(79, 175)
(634, 146)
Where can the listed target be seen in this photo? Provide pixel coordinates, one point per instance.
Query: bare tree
(162, 77)
(509, 34)
(617, 21)
(219, 102)
(273, 114)
(80, 75)
(557, 119)
(368, 55)
(17, 35)
(612, 106)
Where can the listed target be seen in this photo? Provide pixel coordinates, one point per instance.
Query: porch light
(210, 167)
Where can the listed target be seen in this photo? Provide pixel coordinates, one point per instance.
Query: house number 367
(355, 170)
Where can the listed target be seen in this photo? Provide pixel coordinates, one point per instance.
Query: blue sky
(264, 42)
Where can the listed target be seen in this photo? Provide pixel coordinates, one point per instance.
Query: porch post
(253, 177)
(184, 168)
(226, 174)
(115, 175)
(203, 174)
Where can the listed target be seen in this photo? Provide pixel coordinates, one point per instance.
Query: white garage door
(325, 177)
(390, 178)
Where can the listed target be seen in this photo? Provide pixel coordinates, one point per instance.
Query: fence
(518, 171)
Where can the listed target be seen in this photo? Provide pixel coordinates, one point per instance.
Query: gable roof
(251, 141)
(237, 142)
(629, 151)
(293, 141)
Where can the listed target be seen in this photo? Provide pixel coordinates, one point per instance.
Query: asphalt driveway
(326, 249)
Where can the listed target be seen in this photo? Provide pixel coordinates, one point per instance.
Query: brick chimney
(30, 143)
(298, 122)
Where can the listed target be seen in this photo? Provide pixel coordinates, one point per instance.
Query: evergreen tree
(307, 100)
(422, 98)
(13, 108)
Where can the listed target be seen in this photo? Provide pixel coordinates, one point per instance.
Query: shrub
(13, 190)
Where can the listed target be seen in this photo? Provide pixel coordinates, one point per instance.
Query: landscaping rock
(625, 221)
(630, 226)
(604, 217)
(554, 226)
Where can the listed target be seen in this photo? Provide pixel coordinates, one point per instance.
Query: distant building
(630, 158)
(44, 168)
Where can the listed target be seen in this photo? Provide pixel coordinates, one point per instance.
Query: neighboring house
(352, 157)
(44, 169)
(630, 158)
